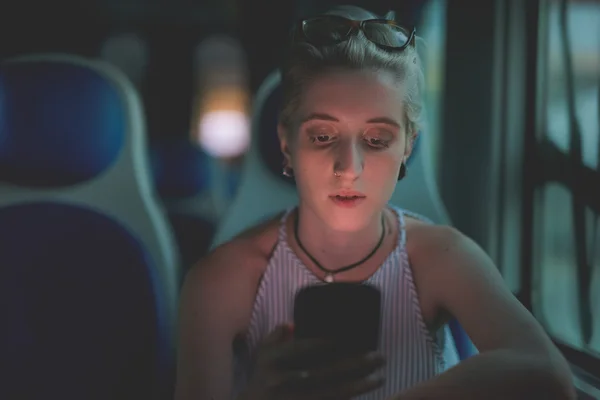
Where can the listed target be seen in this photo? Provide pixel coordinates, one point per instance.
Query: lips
(348, 194)
(347, 199)
(353, 197)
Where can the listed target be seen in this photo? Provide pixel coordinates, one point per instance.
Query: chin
(347, 220)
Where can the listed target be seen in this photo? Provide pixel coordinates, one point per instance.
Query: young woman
(351, 111)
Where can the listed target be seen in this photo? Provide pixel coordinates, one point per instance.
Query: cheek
(316, 166)
(307, 160)
(383, 166)
(309, 168)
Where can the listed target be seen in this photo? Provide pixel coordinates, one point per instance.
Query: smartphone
(347, 314)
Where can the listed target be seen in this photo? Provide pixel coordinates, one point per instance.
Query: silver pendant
(328, 278)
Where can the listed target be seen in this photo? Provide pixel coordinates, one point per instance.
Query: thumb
(281, 333)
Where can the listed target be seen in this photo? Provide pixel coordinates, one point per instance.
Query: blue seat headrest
(60, 124)
(80, 309)
(268, 142)
(180, 168)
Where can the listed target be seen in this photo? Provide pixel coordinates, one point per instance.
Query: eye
(377, 139)
(321, 135)
(321, 138)
(377, 143)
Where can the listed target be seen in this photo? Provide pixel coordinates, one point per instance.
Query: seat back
(87, 261)
(182, 174)
(259, 175)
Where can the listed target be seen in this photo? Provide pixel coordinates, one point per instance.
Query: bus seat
(182, 177)
(88, 267)
(261, 176)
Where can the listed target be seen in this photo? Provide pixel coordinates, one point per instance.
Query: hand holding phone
(278, 373)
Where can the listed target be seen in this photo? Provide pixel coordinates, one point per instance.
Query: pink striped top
(413, 354)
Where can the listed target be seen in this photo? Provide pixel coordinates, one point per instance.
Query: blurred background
(153, 117)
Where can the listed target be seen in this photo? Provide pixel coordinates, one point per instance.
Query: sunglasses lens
(326, 30)
(386, 34)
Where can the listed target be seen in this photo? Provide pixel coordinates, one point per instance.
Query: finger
(295, 354)
(285, 381)
(351, 389)
(294, 386)
(281, 333)
(339, 373)
(355, 367)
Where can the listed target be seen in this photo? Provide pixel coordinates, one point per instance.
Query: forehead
(353, 95)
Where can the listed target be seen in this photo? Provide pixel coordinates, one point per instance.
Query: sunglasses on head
(331, 29)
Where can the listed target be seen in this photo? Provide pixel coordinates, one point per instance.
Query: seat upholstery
(182, 174)
(88, 267)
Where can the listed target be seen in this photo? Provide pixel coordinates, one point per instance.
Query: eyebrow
(384, 120)
(327, 117)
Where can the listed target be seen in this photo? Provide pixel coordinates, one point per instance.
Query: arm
(517, 359)
(215, 306)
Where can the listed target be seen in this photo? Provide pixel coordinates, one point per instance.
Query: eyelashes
(371, 142)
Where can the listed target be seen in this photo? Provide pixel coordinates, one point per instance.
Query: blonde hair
(304, 61)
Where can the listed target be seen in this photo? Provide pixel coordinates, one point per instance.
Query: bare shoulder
(442, 257)
(215, 309)
(238, 261)
(429, 247)
(426, 241)
(255, 242)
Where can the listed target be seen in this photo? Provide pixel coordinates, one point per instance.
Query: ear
(390, 15)
(284, 144)
(410, 141)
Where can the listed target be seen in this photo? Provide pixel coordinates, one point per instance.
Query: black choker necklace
(330, 273)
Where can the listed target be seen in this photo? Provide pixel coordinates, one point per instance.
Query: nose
(349, 160)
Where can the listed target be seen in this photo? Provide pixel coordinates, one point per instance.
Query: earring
(288, 172)
(402, 173)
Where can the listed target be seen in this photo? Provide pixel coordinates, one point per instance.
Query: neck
(336, 249)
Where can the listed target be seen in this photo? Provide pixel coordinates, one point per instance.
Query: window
(433, 30)
(566, 231)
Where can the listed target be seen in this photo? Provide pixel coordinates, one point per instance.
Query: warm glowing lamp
(221, 124)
